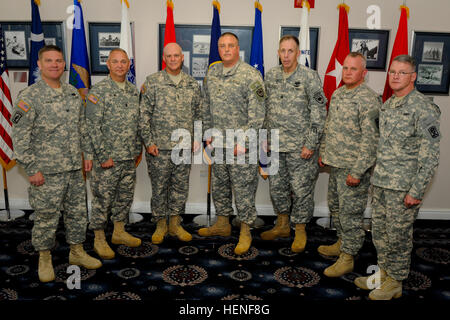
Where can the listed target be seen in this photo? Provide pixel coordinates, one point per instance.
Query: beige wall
(147, 14)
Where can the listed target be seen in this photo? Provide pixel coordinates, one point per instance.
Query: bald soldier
(407, 158)
(49, 135)
(112, 114)
(234, 99)
(170, 101)
(348, 147)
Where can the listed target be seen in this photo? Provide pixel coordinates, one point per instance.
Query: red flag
(333, 76)
(400, 46)
(6, 147)
(169, 33)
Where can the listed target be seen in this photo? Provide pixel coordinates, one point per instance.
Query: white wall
(148, 14)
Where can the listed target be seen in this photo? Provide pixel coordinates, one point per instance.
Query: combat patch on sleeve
(16, 117)
(23, 105)
(319, 97)
(93, 99)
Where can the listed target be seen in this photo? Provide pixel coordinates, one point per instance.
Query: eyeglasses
(400, 73)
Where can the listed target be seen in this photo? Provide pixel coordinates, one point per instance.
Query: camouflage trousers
(392, 231)
(112, 191)
(347, 205)
(240, 180)
(292, 188)
(64, 192)
(170, 185)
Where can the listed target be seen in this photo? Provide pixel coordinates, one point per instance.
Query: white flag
(305, 52)
(126, 40)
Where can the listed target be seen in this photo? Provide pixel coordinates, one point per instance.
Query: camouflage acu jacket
(296, 107)
(408, 150)
(166, 107)
(234, 100)
(112, 116)
(49, 129)
(350, 137)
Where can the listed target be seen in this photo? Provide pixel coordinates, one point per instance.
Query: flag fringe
(407, 10)
(306, 3)
(170, 4)
(258, 6)
(216, 4)
(126, 2)
(346, 7)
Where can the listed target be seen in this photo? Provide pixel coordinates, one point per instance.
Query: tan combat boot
(222, 227)
(45, 269)
(160, 232)
(245, 240)
(280, 230)
(79, 257)
(333, 250)
(389, 289)
(120, 236)
(368, 283)
(342, 266)
(175, 229)
(300, 238)
(101, 247)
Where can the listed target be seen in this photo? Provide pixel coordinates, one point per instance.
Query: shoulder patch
(258, 88)
(93, 99)
(16, 117)
(23, 105)
(430, 128)
(319, 97)
(143, 88)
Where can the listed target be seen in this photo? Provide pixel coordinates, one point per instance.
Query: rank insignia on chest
(23, 105)
(93, 99)
(297, 84)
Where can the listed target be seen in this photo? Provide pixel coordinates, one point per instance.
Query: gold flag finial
(38, 2)
(407, 10)
(217, 5)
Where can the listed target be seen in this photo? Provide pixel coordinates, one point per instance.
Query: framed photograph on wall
(17, 37)
(194, 41)
(313, 41)
(103, 37)
(373, 44)
(432, 53)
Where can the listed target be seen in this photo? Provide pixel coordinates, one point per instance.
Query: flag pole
(7, 214)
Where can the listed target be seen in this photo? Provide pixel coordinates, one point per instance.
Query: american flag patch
(23, 105)
(93, 99)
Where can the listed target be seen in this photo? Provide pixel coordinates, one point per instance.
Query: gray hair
(406, 59)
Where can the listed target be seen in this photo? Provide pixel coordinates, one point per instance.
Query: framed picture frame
(432, 53)
(313, 40)
(17, 35)
(373, 44)
(103, 37)
(195, 40)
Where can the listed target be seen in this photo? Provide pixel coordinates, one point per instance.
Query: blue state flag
(80, 76)
(214, 56)
(257, 53)
(37, 42)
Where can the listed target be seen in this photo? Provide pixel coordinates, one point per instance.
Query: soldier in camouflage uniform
(407, 157)
(170, 101)
(296, 108)
(349, 146)
(49, 134)
(234, 99)
(112, 115)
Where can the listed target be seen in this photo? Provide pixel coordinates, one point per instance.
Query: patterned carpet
(206, 270)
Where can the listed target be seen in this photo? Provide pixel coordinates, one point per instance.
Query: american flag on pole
(6, 147)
